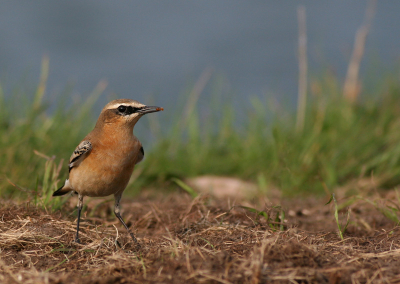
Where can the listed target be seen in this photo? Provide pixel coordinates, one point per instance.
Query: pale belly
(102, 176)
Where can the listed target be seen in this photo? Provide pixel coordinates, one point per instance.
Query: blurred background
(297, 97)
(158, 48)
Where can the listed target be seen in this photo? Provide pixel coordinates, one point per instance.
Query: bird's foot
(134, 238)
(137, 245)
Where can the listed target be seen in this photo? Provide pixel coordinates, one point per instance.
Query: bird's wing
(140, 155)
(79, 154)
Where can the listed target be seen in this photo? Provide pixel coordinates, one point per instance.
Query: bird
(103, 162)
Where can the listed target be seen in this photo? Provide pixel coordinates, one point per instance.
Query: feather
(79, 154)
(140, 155)
(67, 187)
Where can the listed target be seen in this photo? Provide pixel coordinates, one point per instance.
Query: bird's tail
(64, 189)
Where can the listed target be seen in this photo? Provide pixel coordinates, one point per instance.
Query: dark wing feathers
(79, 154)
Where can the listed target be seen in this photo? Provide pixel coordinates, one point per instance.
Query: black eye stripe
(122, 108)
(127, 110)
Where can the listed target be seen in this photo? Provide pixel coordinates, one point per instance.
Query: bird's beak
(149, 109)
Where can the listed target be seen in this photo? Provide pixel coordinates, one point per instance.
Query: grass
(341, 229)
(43, 197)
(27, 128)
(198, 241)
(350, 149)
(185, 187)
(274, 224)
(340, 142)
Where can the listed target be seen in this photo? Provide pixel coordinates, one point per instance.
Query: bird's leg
(117, 213)
(80, 204)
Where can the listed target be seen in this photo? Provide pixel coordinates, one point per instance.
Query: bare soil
(199, 240)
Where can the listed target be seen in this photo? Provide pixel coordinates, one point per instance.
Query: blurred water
(155, 48)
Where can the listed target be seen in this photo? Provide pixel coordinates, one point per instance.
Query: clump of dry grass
(197, 241)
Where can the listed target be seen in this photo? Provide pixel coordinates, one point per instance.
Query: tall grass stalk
(27, 126)
(302, 93)
(340, 141)
(43, 193)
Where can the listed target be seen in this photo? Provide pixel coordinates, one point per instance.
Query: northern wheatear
(103, 162)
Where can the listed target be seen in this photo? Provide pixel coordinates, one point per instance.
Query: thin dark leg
(117, 213)
(80, 204)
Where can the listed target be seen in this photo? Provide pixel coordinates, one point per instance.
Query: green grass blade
(185, 187)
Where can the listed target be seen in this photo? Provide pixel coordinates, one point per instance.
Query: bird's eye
(122, 108)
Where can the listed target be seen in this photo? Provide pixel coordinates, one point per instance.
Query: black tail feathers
(67, 187)
(61, 191)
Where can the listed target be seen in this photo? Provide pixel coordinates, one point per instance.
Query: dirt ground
(199, 240)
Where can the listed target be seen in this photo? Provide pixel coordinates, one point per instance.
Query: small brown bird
(103, 162)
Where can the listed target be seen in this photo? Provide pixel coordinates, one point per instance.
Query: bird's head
(124, 112)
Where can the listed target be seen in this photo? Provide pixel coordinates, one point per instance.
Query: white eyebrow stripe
(134, 105)
(117, 105)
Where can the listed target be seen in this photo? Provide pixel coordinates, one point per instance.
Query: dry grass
(198, 241)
